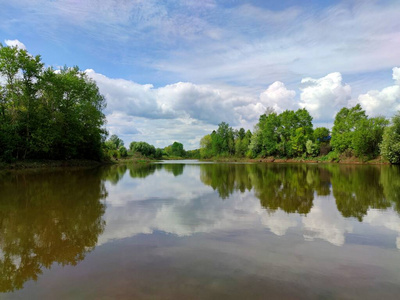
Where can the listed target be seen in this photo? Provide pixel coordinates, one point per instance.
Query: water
(186, 230)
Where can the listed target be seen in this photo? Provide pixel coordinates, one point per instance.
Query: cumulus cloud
(179, 100)
(384, 102)
(182, 111)
(323, 97)
(279, 97)
(15, 43)
(396, 75)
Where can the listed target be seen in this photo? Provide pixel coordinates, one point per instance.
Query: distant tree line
(114, 148)
(291, 135)
(47, 113)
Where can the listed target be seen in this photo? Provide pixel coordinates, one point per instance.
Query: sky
(173, 70)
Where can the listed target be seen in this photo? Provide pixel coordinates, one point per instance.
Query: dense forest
(291, 135)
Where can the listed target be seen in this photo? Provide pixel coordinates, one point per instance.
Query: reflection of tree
(288, 187)
(277, 186)
(390, 180)
(114, 173)
(47, 217)
(356, 189)
(142, 170)
(176, 169)
(225, 178)
(291, 187)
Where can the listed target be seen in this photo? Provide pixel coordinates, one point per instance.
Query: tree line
(114, 148)
(290, 134)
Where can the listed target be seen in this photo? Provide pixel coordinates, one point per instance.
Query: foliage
(390, 146)
(285, 134)
(367, 137)
(176, 149)
(123, 152)
(116, 141)
(312, 148)
(321, 134)
(346, 121)
(143, 148)
(46, 113)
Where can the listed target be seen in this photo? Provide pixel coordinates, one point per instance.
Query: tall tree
(345, 123)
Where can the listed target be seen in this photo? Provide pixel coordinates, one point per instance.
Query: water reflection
(315, 198)
(291, 188)
(46, 218)
(58, 217)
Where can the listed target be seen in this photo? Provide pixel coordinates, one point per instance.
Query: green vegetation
(46, 113)
(390, 146)
(291, 135)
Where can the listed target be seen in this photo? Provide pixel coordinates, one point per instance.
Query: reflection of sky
(325, 222)
(184, 206)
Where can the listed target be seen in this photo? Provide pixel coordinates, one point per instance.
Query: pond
(191, 230)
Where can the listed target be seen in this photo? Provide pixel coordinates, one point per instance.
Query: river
(191, 230)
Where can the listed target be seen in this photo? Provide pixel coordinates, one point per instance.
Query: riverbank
(322, 160)
(44, 163)
(37, 164)
(49, 164)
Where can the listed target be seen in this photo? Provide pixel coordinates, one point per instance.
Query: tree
(47, 114)
(177, 149)
(114, 139)
(321, 134)
(367, 136)
(390, 146)
(346, 121)
(143, 148)
(206, 146)
(122, 151)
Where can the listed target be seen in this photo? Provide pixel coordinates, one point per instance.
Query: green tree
(47, 114)
(206, 146)
(122, 151)
(321, 134)
(114, 139)
(390, 146)
(143, 148)
(367, 137)
(177, 149)
(346, 121)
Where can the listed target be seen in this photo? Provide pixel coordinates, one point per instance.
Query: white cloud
(15, 43)
(279, 97)
(396, 75)
(182, 112)
(325, 96)
(385, 102)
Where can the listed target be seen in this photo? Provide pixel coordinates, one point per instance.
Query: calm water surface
(201, 231)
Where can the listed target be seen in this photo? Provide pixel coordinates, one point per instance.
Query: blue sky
(172, 70)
